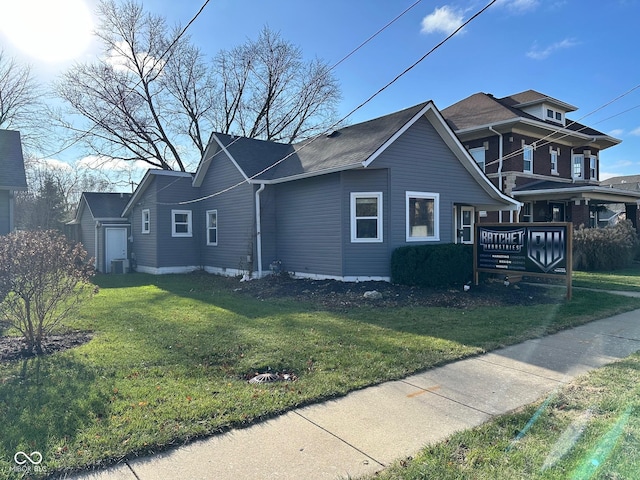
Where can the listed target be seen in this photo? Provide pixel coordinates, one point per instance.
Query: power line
(132, 89)
(369, 99)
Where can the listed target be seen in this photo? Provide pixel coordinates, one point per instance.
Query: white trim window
(554, 160)
(146, 220)
(366, 217)
(478, 155)
(422, 217)
(527, 155)
(212, 227)
(593, 167)
(181, 223)
(577, 164)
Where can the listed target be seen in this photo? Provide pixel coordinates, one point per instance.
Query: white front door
(466, 224)
(115, 245)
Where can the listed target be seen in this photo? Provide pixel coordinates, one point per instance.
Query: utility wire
(132, 89)
(365, 102)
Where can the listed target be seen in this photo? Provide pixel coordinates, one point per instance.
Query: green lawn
(170, 357)
(588, 430)
(627, 279)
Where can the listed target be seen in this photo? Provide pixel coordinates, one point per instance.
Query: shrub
(608, 248)
(43, 278)
(438, 265)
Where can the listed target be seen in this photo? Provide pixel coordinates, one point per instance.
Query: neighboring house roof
(352, 147)
(103, 206)
(481, 111)
(148, 178)
(626, 182)
(12, 175)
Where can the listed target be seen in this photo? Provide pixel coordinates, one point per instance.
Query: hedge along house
(332, 207)
(104, 233)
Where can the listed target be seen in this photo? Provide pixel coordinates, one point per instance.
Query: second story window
(528, 158)
(478, 155)
(554, 161)
(578, 161)
(593, 167)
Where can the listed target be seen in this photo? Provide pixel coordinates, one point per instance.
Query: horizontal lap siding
(308, 224)
(236, 217)
(177, 251)
(144, 248)
(420, 161)
(4, 212)
(365, 259)
(88, 232)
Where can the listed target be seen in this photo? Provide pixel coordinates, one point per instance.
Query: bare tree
(154, 97)
(42, 280)
(20, 99)
(268, 91)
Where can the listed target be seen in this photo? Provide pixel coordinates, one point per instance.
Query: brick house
(531, 151)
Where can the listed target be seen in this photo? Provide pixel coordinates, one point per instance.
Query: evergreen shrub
(439, 265)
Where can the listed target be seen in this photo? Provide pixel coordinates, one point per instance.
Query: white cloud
(443, 19)
(538, 53)
(617, 132)
(635, 131)
(94, 162)
(518, 6)
(53, 164)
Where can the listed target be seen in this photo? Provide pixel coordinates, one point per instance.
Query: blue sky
(583, 52)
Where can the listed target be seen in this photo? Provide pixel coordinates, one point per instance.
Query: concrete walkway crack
(339, 438)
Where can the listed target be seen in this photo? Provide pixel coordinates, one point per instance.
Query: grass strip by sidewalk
(170, 355)
(627, 279)
(588, 430)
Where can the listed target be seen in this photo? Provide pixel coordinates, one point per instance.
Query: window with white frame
(366, 216)
(146, 220)
(527, 212)
(478, 155)
(593, 167)
(527, 152)
(554, 160)
(181, 223)
(422, 216)
(578, 161)
(212, 227)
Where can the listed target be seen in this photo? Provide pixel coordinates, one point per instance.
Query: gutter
(259, 230)
(500, 155)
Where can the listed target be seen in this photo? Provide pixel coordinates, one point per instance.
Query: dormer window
(555, 115)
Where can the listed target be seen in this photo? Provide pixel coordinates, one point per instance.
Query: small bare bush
(608, 248)
(43, 279)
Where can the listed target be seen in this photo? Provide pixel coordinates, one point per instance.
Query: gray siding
(420, 161)
(365, 259)
(145, 245)
(88, 232)
(5, 216)
(309, 228)
(236, 218)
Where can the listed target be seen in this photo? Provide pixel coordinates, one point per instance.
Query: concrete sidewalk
(367, 430)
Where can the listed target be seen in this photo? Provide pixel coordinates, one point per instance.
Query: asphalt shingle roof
(12, 175)
(106, 205)
(342, 148)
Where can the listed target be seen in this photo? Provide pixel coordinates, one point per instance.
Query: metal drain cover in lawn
(265, 378)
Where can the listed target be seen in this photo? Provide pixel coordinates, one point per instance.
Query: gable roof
(352, 147)
(482, 110)
(106, 205)
(146, 181)
(349, 147)
(12, 175)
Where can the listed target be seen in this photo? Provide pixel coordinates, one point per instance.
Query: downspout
(500, 154)
(259, 230)
(95, 263)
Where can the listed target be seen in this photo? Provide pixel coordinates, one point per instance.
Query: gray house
(101, 228)
(12, 176)
(332, 207)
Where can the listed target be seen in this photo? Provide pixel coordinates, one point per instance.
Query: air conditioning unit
(119, 265)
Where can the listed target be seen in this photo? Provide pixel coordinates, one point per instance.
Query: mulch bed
(14, 348)
(341, 296)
